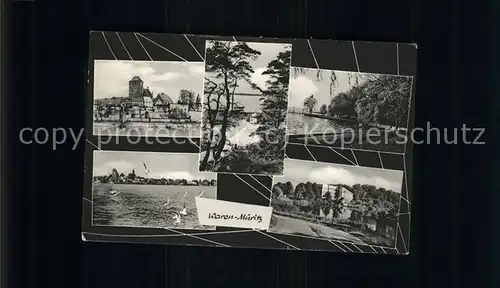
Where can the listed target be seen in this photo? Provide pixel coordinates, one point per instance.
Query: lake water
(144, 205)
(302, 124)
(251, 103)
(191, 130)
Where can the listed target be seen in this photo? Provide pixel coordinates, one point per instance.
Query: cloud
(173, 175)
(343, 176)
(106, 168)
(336, 175)
(168, 76)
(258, 78)
(182, 175)
(197, 69)
(300, 88)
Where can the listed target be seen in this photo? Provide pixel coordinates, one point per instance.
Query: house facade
(148, 102)
(162, 102)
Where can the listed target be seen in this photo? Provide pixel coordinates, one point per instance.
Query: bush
(285, 205)
(277, 192)
(274, 221)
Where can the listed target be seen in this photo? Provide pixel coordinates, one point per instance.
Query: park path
(287, 225)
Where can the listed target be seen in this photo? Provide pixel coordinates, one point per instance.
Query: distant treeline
(132, 178)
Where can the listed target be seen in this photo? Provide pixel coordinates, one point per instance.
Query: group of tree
(228, 65)
(310, 103)
(132, 178)
(368, 202)
(188, 97)
(372, 99)
(306, 198)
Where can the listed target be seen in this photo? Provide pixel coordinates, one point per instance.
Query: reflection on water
(144, 205)
(302, 124)
(191, 130)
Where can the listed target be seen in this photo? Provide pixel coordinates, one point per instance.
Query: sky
(111, 77)
(303, 86)
(297, 171)
(161, 165)
(269, 52)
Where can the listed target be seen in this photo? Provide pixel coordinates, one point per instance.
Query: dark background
(451, 235)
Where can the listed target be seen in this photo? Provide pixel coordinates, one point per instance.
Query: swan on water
(183, 211)
(177, 218)
(185, 194)
(168, 202)
(114, 192)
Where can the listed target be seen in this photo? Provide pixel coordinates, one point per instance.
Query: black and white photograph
(348, 109)
(147, 98)
(337, 202)
(149, 190)
(244, 107)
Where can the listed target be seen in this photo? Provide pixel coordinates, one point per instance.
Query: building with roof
(162, 102)
(137, 94)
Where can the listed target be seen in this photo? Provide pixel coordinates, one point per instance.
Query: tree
(272, 126)
(300, 191)
(108, 110)
(337, 205)
(309, 194)
(186, 97)
(226, 63)
(393, 99)
(344, 104)
(309, 103)
(316, 188)
(277, 192)
(326, 206)
(132, 175)
(197, 102)
(323, 109)
(289, 189)
(178, 113)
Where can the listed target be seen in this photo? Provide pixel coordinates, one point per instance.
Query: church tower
(135, 87)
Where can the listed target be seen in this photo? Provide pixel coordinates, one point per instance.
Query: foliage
(272, 126)
(178, 113)
(249, 159)
(187, 97)
(310, 103)
(227, 63)
(369, 202)
(286, 188)
(277, 192)
(372, 99)
(343, 105)
(323, 109)
(197, 102)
